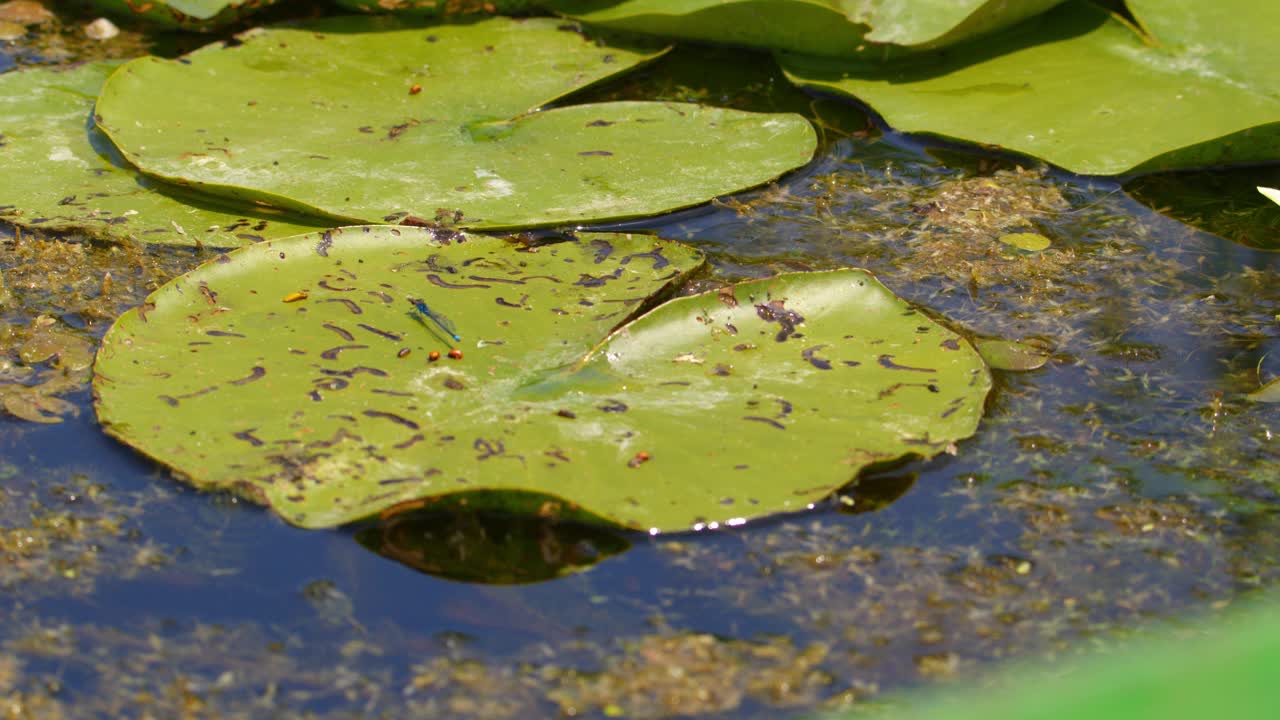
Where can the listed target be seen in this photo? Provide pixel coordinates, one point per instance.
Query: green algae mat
(342, 120)
(63, 175)
(303, 374)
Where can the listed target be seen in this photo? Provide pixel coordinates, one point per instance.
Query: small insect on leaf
(456, 354)
(433, 356)
(295, 296)
(415, 89)
(641, 458)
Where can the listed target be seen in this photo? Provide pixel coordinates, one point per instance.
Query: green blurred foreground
(1230, 673)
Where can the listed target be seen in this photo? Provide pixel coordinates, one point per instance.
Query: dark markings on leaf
(209, 295)
(355, 371)
(454, 384)
(169, 400)
(508, 281)
(603, 249)
(435, 280)
(326, 242)
(596, 153)
(659, 260)
(733, 329)
(381, 296)
(851, 363)
(173, 401)
(417, 438)
(325, 284)
(491, 449)
(726, 297)
(340, 435)
(380, 333)
(722, 370)
(774, 311)
(501, 301)
(586, 280)
(397, 481)
(681, 383)
(612, 405)
(542, 277)
(250, 237)
(257, 373)
(350, 305)
(921, 441)
(223, 333)
(599, 123)
(145, 308)
(341, 333)
(564, 413)
(950, 344)
(766, 421)
(744, 346)
(247, 436)
(810, 354)
(784, 408)
(742, 467)
(331, 384)
(332, 353)
(397, 419)
(558, 454)
(898, 386)
(886, 361)
(393, 393)
(955, 405)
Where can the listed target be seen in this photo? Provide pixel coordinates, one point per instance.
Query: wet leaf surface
(445, 134)
(698, 414)
(1007, 355)
(64, 175)
(817, 27)
(1082, 90)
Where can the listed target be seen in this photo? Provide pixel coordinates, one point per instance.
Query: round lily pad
(63, 175)
(299, 373)
(411, 125)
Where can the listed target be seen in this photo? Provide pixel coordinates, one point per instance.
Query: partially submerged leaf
(1268, 393)
(1082, 90)
(319, 119)
(815, 27)
(711, 409)
(184, 14)
(1028, 241)
(1271, 194)
(1010, 355)
(62, 175)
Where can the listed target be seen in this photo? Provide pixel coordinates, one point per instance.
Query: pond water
(1128, 485)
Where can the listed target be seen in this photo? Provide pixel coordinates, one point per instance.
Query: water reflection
(490, 546)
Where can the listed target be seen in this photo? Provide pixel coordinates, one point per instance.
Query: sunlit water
(1128, 481)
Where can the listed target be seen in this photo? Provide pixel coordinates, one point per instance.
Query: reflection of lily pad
(319, 119)
(61, 174)
(489, 547)
(711, 409)
(1082, 90)
(816, 27)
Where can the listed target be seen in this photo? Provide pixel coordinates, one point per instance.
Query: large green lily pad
(818, 27)
(185, 14)
(711, 409)
(396, 125)
(61, 174)
(1084, 91)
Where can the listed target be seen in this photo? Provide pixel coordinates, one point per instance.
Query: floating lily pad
(39, 362)
(396, 125)
(296, 373)
(61, 174)
(184, 14)
(816, 27)
(1081, 89)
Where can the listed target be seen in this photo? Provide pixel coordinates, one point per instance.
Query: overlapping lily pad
(817, 27)
(433, 8)
(394, 126)
(295, 372)
(1084, 91)
(61, 174)
(185, 14)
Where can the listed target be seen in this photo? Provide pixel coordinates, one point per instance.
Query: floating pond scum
(294, 373)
